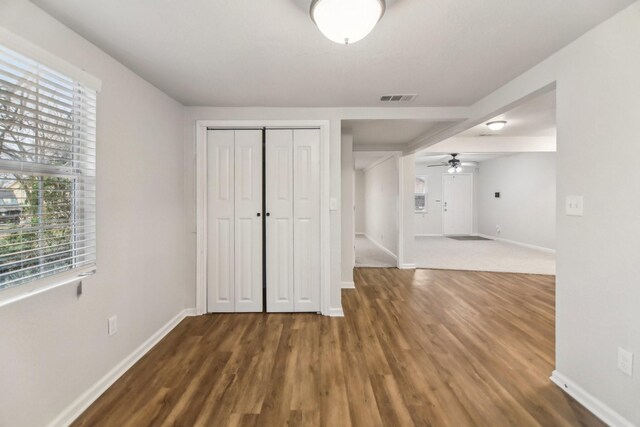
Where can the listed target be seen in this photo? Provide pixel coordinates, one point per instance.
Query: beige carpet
(368, 254)
(482, 255)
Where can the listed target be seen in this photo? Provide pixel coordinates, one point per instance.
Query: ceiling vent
(398, 98)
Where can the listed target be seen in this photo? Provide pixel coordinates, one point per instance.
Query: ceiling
(435, 158)
(536, 117)
(269, 53)
(389, 132)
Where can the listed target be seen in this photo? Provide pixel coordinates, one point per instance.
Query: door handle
(258, 213)
(268, 214)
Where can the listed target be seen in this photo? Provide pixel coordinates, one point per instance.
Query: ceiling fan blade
(438, 166)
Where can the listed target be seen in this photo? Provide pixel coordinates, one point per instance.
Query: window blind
(47, 171)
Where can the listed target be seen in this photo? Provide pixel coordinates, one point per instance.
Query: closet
(263, 220)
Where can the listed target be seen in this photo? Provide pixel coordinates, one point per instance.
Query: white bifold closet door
(234, 249)
(293, 221)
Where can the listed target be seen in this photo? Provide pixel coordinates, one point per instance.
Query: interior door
(279, 207)
(457, 204)
(306, 213)
(248, 221)
(220, 221)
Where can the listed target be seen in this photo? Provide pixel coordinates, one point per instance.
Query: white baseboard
(188, 312)
(348, 285)
(407, 267)
(335, 312)
(387, 251)
(429, 235)
(513, 242)
(77, 407)
(599, 409)
(360, 233)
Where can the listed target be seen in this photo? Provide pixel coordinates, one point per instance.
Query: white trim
(335, 312)
(387, 251)
(407, 266)
(78, 406)
(35, 52)
(429, 235)
(597, 407)
(201, 200)
(348, 285)
(360, 233)
(513, 242)
(27, 290)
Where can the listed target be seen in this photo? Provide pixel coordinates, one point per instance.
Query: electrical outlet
(113, 325)
(625, 361)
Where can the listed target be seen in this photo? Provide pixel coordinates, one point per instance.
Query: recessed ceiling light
(497, 125)
(346, 22)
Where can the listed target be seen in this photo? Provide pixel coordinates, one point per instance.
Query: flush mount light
(346, 21)
(497, 125)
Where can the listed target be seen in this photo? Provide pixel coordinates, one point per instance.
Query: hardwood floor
(423, 348)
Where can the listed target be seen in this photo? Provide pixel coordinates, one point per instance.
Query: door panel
(279, 206)
(457, 204)
(220, 211)
(306, 213)
(248, 225)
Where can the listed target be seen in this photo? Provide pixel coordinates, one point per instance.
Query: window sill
(21, 292)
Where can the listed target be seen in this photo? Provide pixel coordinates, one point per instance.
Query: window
(47, 172)
(421, 194)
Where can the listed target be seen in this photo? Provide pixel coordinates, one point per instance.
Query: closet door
(306, 214)
(279, 208)
(220, 221)
(248, 220)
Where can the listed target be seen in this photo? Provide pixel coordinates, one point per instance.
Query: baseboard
(360, 233)
(513, 242)
(387, 251)
(429, 235)
(75, 409)
(348, 285)
(407, 267)
(189, 312)
(335, 312)
(599, 409)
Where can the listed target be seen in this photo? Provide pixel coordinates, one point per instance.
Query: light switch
(574, 205)
(333, 204)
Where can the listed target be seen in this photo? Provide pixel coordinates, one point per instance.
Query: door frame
(472, 199)
(201, 199)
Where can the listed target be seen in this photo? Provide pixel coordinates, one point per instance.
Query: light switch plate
(113, 325)
(625, 361)
(574, 205)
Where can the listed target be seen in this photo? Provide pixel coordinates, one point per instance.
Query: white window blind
(47, 171)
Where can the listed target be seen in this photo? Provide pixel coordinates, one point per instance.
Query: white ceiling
(536, 117)
(389, 132)
(436, 158)
(269, 53)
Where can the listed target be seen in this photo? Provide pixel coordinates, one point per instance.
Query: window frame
(74, 274)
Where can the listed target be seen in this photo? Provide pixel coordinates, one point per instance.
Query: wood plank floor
(415, 348)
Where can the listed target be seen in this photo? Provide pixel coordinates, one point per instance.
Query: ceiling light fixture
(497, 124)
(346, 21)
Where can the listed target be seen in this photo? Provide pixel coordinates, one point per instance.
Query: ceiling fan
(455, 165)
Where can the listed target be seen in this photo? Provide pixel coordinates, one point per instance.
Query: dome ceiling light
(346, 21)
(497, 125)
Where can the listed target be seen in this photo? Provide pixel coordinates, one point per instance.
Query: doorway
(457, 204)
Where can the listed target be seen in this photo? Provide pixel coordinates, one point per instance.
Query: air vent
(398, 98)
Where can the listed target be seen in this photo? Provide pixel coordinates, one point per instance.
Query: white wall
(526, 209)
(348, 233)
(359, 200)
(430, 223)
(381, 204)
(597, 291)
(54, 346)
